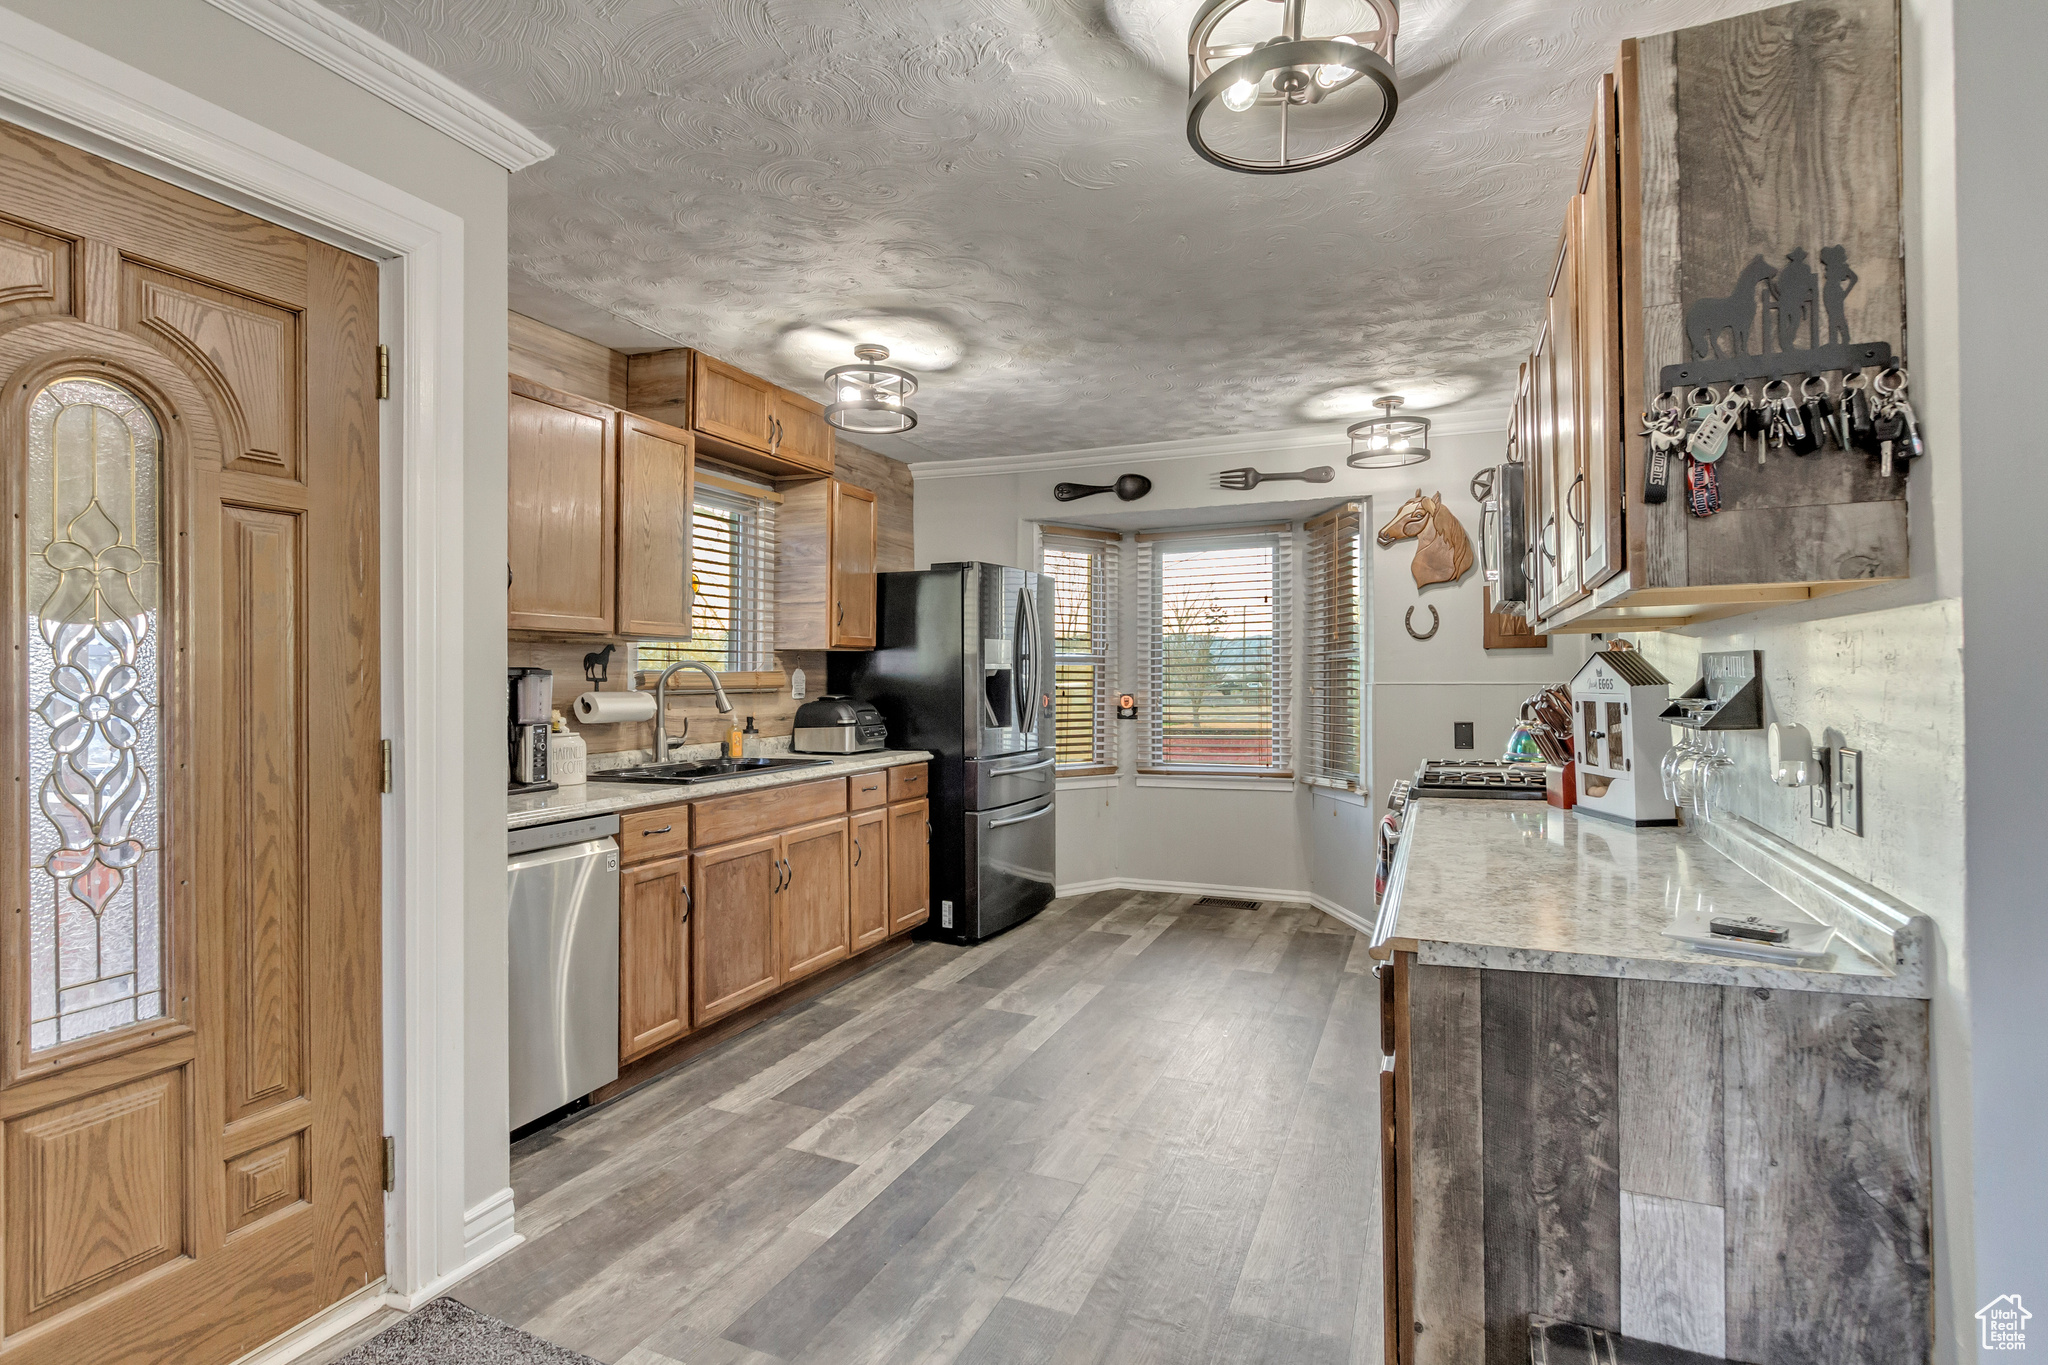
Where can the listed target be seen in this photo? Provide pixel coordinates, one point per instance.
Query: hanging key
(1889, 427)
(1710, 442)
(1749, 423)
(1799, 438)
(1819, 412)
(1859, 417)
(1891, 389)
(1664, 425)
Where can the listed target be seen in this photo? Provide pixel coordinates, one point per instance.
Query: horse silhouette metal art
(1783, 307)
(1443, 553)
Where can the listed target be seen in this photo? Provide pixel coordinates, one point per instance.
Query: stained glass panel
(94, 576)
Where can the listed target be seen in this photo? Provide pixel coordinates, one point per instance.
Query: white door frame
(71, 92)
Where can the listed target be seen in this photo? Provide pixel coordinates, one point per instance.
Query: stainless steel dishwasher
(563, 1002)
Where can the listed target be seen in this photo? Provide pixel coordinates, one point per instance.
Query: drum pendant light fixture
(869, 398)
(1311, 95)
(1388, 441)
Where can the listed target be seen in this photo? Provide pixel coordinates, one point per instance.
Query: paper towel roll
(614, 708)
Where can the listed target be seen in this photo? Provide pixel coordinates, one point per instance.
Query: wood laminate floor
(1131, 1130)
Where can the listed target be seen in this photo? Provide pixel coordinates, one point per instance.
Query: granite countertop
(1518, 886)
(599, 797)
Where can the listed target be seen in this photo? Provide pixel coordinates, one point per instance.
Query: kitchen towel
(614, 708)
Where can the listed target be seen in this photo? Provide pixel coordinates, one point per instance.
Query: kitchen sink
(687, 773)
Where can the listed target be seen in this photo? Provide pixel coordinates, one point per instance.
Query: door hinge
(390, 1164)
(383, 371)
(384, 784)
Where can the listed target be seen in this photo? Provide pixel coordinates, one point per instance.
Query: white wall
(191, 44)
(1273, 839)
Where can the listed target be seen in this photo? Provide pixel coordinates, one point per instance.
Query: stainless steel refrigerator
(964, 667)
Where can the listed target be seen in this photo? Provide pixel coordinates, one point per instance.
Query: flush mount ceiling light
(868, 398)
(1268, 104)
(1388, 441)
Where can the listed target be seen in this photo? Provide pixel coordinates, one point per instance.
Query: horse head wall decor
(1443, 553)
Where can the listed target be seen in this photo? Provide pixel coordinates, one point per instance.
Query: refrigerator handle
(1027, 768)
(1020, 819)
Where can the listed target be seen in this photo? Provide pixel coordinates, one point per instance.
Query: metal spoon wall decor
(1129, 487)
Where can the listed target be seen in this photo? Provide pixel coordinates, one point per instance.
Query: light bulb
(1379, 442)
(1401, 444)
(1241, 96)
(849, 395)
(1330, 77)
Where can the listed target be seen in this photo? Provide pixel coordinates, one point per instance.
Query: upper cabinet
(736, 417)
(562, 536)
(598, 535)
(1702, 250)
(825, 584)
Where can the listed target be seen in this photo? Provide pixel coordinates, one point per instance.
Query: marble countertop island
(599, 797)
(1519, 886)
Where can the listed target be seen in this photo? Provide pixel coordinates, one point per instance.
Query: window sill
(690, 680)
(1280, 783)
(1084, 781)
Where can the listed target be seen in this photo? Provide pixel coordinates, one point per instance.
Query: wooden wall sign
(1510, 632)
(1766, 239)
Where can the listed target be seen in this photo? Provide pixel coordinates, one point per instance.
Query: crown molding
(1288, 440)
(361, 57)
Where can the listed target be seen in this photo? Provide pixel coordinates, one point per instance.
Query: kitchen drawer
(909, 782)
(645, 835)
(867, 790)
(726, 818)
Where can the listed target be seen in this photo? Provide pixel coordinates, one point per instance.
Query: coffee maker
(530, 703)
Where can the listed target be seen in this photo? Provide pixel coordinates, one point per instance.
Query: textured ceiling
(1003, 191)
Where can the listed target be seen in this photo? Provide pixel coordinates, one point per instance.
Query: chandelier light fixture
(869, 398)
(1316, 92)
(1388, 441)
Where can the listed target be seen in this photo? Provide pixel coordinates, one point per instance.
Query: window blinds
(1085, 603)
(1333, 610)
(1218, 650)
(732, 563)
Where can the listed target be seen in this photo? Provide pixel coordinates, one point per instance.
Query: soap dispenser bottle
(750, 741)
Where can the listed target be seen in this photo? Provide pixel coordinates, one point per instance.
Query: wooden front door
(190, 1100)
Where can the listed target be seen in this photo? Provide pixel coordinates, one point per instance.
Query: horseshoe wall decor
(1434, 622)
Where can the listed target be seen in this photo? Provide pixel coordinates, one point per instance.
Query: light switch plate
(1821, 793)
(1849, 791)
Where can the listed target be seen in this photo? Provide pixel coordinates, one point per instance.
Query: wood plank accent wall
(577, 366)
(1758, 135)
(1740, 1172)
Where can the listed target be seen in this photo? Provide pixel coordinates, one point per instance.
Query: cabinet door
(802, 435)
(657, 485)
(1565, 505)
(815, 927)
(732, 940)
(562, 499)
(910, 865)
(854, 528)
(1602, 429)
(870, 877)
(654, 956)
(1545, 539)
(729, 403)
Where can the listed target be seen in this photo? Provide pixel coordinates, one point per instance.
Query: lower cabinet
(870, 877)
(910, 865)
(811, 908)
(654, 956)
(735, 961)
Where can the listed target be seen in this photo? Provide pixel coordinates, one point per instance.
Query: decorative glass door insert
(94, 580)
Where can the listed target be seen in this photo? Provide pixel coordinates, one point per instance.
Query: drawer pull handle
(650, 833)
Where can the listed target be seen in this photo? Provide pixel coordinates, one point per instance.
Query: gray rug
(446, 1333)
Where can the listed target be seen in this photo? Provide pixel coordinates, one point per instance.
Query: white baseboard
(319, 1329)
(487, 1234)
(1362, 923)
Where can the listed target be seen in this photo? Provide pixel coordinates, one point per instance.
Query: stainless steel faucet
(661, 704)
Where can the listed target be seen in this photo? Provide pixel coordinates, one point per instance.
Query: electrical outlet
(1461, 734)
(1849, 791)
(1821, 793)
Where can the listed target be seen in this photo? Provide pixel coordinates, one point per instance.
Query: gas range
(1475, 780)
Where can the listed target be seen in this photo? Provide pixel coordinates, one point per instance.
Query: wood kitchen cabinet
(657, 496)
(734, 935)
(814, 926)
(910, 865)
(869, 876)
(736, 417)
(1652, 245)
(825, 583)
(561, 543)
(600, 514)
(654, 956)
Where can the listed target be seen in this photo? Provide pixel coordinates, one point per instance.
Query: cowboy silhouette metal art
(1781, 307)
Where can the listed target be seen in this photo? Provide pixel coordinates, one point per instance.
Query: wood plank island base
(1585, 1121)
